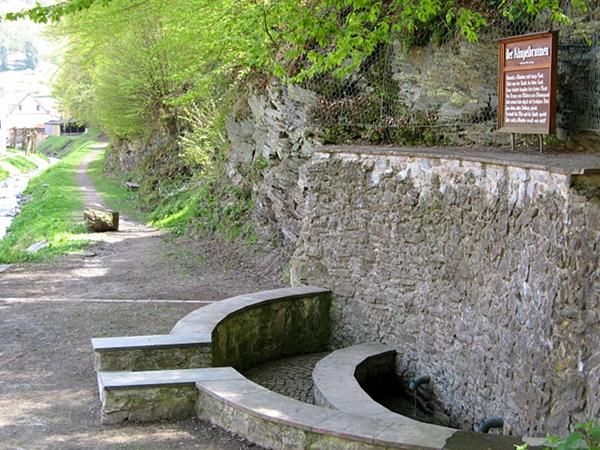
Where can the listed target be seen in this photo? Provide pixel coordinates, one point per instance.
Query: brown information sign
(527, 83)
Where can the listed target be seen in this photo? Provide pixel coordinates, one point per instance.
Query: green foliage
(207, 206)
(182, 57)
(279, 35)
(201, 206)
(204, 133)
(20, 162)
(519, 10)
(56, 200)
(44, 14)
(585, 437)
(3, 174)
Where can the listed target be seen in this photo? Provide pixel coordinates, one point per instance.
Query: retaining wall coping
(564, 163)
(156, 378)
(336, 385)
(205, 319)
(151, 341)
(196, 328)
(350, 357)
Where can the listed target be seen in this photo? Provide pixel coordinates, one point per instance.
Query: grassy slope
(113, 190)
(14, 162)
(192, 207)
(171, 216)
(20, 162)
(52, 214)
(59, 146)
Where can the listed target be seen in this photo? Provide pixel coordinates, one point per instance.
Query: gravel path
(140, 281)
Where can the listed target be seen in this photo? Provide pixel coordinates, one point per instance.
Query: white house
(31, 112)
(25, 111)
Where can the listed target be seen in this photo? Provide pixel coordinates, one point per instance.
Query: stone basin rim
(204, 320)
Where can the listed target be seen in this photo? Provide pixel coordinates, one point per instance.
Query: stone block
(157, 352)
(154, 395)
(148, 404)
(98, 219)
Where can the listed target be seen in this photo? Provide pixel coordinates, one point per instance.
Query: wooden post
(13, 138)
(26, 140)
(34, 141)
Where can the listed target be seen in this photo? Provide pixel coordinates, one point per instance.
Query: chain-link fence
(579, 77)
(446, 92)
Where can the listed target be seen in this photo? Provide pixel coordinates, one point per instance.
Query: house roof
(48, 102)
(44, 107)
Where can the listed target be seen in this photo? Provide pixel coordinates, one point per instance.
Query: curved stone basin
(226, 398)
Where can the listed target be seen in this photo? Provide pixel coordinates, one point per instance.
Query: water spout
(488, 423)
(414, 384)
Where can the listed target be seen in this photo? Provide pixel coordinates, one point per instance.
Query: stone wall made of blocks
(184, 357)
(483, 276)
(273, 330)
(149, 404)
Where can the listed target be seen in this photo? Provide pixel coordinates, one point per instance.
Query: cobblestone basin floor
(291, 376)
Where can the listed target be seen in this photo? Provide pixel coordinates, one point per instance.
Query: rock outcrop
(273, 128)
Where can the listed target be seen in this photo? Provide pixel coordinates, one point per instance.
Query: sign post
(527, 84)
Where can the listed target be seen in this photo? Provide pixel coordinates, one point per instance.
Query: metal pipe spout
(414, 384)
(488, 423)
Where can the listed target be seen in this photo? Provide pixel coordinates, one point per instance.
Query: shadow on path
(139, 281)
(137, 262)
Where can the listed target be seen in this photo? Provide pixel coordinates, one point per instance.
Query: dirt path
(140, 281)
(139, 262)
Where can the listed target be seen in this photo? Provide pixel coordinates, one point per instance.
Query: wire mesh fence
(446, 93)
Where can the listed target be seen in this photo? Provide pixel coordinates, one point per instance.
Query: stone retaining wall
(274, 330)
(241, 331)
(482, 275)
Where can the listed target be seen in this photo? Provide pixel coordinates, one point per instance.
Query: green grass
(55, 145)
(113, 191)
(14, 162)
(52, 214)
(201, 206)
(60, 146)
(21, 163)
(173, 214)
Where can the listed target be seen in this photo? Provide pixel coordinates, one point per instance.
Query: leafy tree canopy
(133, 65)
